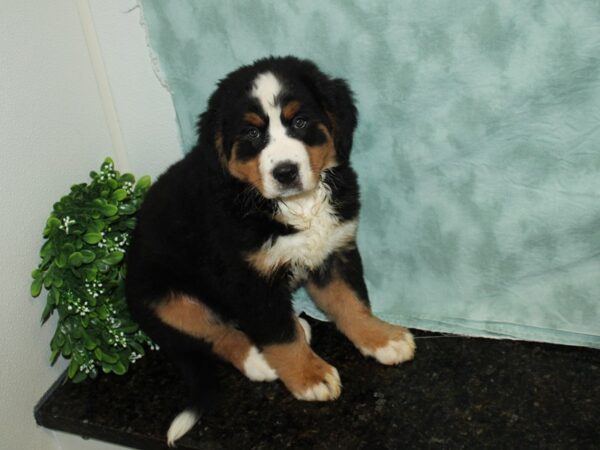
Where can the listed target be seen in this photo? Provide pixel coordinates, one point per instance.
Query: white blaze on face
(281, 147)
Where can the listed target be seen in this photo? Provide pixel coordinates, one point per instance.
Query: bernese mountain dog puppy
(266, 202)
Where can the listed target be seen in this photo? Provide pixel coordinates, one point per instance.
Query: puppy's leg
(304, 373)
(341, 293)
(192, 317)
(280, 334)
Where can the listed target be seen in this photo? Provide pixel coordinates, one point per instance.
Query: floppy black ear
(338, 101)
(210, 134)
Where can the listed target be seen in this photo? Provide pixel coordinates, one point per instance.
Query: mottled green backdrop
(478, 148)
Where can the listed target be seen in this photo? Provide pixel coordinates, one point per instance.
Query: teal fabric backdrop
(478, 149)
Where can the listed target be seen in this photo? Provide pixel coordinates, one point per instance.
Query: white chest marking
(321, 233)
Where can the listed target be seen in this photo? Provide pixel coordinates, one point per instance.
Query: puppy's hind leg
(193, 318)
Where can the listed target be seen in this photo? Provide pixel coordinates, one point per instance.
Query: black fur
(198, 221)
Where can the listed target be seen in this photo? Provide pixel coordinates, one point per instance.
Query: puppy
(265, 202)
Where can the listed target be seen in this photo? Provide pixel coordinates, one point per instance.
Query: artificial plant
(83, 269)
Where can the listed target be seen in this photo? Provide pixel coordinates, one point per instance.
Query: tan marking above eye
(254, 119)
(290, 109)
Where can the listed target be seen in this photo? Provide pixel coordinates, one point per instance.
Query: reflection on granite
(457, 393)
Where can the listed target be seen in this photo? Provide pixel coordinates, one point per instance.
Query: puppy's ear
(337, 100)
(210, 131)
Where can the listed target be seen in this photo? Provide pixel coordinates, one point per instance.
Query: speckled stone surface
(457, 393)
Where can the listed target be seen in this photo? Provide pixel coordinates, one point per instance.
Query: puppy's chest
(319, 234)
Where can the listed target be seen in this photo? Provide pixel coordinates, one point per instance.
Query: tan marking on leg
(305, 374)
(322, 157)
(195, 319)
(290, 109)
(389, 344)
(254, 119)
(247, 171)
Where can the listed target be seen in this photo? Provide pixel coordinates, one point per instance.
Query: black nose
(286, 172)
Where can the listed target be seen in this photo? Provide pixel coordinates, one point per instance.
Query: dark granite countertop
(457, 393)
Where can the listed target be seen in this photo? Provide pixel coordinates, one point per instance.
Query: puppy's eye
(299, 122)
(253, 133)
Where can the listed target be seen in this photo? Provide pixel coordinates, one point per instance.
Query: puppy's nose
(286, 172)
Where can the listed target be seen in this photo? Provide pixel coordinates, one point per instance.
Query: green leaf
(79, 377)
(119, 368)
(52, 221)
(61, 260)
(130, 223)
(96, 226)
(113, 258)
(98, 353)
(107, 164)
(127, 209)
(143, 183)
(90, 273)
(89, 342)
(109, 210)
(48, 279)
(102, 266)
(48, 310)
(92, 238)
(137, 347)
(88, 256)
(47, 249)
(67, 349)
(73, 368)
(76, 259)
(119, 195)
(54, 296)
(110, 358)
(54, 356)
(129, 328)
(36, 287)
(127, 177)
(77, 332)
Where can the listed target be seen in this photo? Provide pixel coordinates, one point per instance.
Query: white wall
(62, 109)
(145, 111)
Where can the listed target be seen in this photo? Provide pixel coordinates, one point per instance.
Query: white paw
(394, 352)
(306, 328)
(256, 367)
(328, 389)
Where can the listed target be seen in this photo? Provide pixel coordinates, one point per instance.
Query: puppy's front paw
(389, 344)
(321, 382)
(257, 368)
(396, 351)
